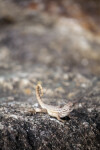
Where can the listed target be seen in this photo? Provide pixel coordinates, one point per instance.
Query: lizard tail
(39, 93)
(39, 89)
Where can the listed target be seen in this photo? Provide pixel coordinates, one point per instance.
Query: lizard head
(68, 107)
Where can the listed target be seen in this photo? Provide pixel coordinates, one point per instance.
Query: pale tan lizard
(54, 111)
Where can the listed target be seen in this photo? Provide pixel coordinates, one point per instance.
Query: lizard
(54, 111)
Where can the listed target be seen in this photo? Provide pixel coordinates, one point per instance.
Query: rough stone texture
(65, 56)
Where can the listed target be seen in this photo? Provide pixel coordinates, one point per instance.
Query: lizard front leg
(60, 119)
(55, 114)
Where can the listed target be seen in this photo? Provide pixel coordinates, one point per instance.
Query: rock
(64, 55)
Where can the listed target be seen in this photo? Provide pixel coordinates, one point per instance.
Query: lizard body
(54, 111)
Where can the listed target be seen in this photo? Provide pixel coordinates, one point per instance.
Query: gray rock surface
(65, 57)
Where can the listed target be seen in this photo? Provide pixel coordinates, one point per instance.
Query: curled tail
(39, 93)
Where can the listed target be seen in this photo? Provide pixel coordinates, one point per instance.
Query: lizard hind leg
(40, 110)
(37, 110)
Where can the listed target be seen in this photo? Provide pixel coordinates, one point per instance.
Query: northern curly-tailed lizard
(54, 111)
